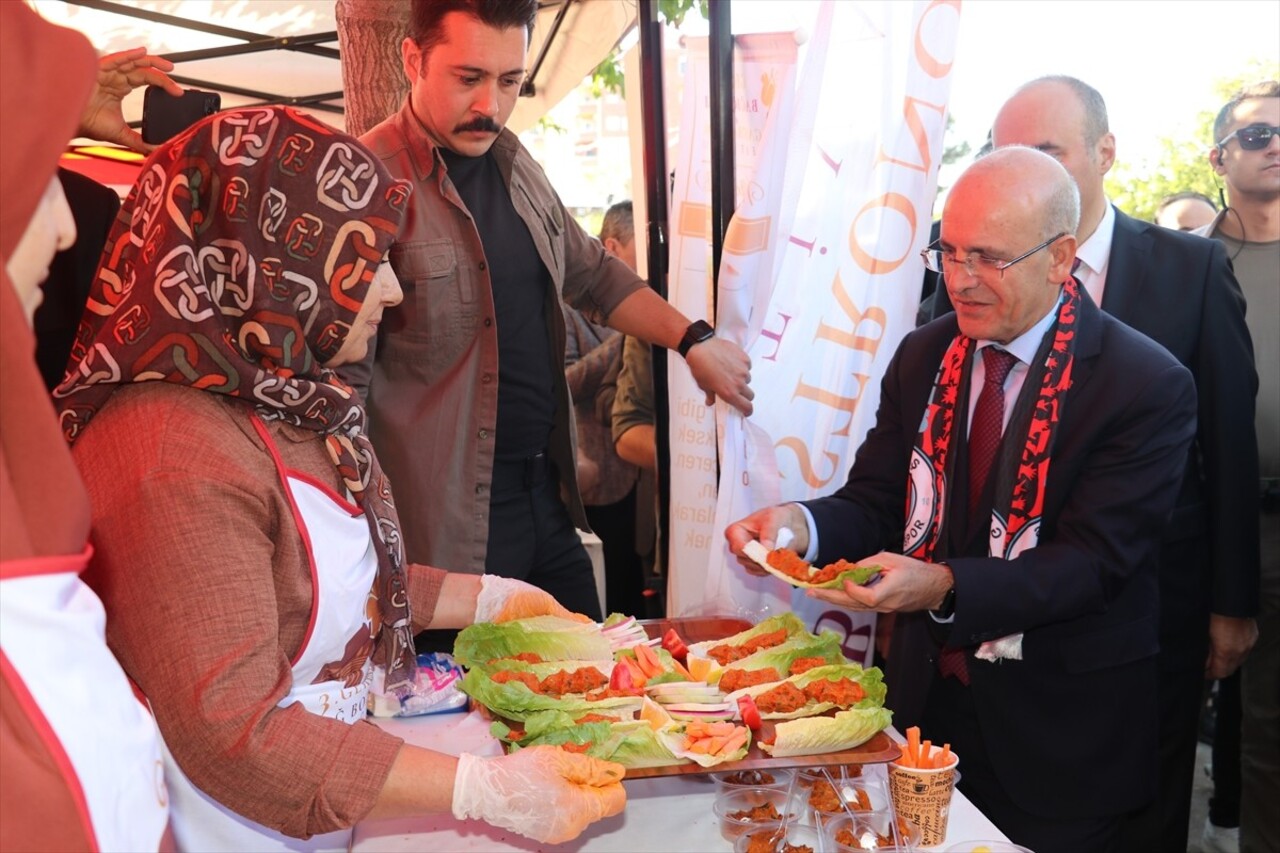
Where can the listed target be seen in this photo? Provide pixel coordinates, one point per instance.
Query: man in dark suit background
(1051, 702)
(1179, 290)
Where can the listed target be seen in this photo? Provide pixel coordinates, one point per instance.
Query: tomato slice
(672, 642)
(750, 713)
(621, 678)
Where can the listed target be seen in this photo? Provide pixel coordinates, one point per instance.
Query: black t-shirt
(526, 396)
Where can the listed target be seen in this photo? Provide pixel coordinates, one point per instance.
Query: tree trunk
(373, 81)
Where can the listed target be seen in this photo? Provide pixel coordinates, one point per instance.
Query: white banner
(821, 295)
(764, 87)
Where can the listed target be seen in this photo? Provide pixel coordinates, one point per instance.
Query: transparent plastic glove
(504, 599)
(541, 792)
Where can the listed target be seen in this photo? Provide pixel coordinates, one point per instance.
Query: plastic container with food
(742, 809)
(825, 800)
(852, 833)
(784, 838)
(772, 778)
(987, 847)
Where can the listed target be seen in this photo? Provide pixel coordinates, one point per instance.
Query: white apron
(53, 653)
(343, 568)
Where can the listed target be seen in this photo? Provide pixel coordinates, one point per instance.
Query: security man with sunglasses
(1246, 154)
(1179, 290)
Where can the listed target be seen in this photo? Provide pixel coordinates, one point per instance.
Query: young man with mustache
(467, 395)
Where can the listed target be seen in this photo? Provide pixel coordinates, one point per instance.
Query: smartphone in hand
(164, 116)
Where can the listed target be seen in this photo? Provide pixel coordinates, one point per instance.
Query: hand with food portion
(541, 792)
(763, 527)
(905, 585)
(506, 599)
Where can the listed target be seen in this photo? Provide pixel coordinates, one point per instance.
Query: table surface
(671, 813)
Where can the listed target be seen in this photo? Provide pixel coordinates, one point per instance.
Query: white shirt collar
(1024, 346)
(1094, 252)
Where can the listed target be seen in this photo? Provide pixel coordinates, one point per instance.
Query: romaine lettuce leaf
(549, 637)
(814, 735)
(631, 744)
(788, 621)
(826, 646)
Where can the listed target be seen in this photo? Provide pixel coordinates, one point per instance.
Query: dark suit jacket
(1071, 727)
(1179, 290)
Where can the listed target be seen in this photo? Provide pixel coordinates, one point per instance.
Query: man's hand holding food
(904, 585)
(763, 526)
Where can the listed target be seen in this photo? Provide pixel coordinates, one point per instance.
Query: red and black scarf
(237, 266)
(1022, 468)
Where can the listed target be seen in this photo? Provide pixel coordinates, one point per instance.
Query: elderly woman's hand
(505, 599)
(541, 792)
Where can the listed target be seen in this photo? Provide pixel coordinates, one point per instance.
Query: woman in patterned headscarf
(242, 520)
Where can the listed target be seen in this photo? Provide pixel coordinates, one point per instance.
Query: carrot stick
(944, 757)
(913, 746)
(926, 756)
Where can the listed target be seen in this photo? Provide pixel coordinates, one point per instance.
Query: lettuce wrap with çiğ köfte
(770, 632)
(814, 691)
(816, 735)
(803, 651)
(548, 637)
(506, 688)
(632, 743)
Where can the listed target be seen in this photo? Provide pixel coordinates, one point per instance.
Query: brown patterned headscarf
(237, 266)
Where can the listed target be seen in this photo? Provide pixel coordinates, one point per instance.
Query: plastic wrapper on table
(435, 690)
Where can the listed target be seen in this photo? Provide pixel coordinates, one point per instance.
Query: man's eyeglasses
(935, 258)
(1255, 137)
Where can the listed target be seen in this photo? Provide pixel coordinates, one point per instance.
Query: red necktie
(988, 423)
(984, 444)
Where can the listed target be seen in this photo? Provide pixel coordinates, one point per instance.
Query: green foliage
(607, 76)
(1182, 164)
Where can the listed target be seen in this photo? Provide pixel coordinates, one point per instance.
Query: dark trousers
(615, 524)
(532, 538)
(1184, 647)
(950, 717)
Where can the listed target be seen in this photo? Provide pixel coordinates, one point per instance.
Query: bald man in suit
(1026, 633)
(1179, 290)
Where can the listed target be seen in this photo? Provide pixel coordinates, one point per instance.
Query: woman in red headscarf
(80, 761)
(248, 549)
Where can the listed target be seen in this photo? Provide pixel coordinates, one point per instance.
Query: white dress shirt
(1095, 255)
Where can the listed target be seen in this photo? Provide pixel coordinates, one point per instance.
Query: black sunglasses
(1255, 137)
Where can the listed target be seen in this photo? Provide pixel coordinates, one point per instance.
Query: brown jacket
(207, 585)
(432, 383)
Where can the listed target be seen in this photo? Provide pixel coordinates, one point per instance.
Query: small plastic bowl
(868, 831)
(987, 847)
(753, 779)
(733, 809)
(772, 840)
(856, 797)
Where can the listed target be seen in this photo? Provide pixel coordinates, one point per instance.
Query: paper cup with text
(923, 796)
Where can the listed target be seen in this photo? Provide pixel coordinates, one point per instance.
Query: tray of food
(678, 696)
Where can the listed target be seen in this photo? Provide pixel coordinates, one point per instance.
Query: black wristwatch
(948, 607)
(698, 331)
